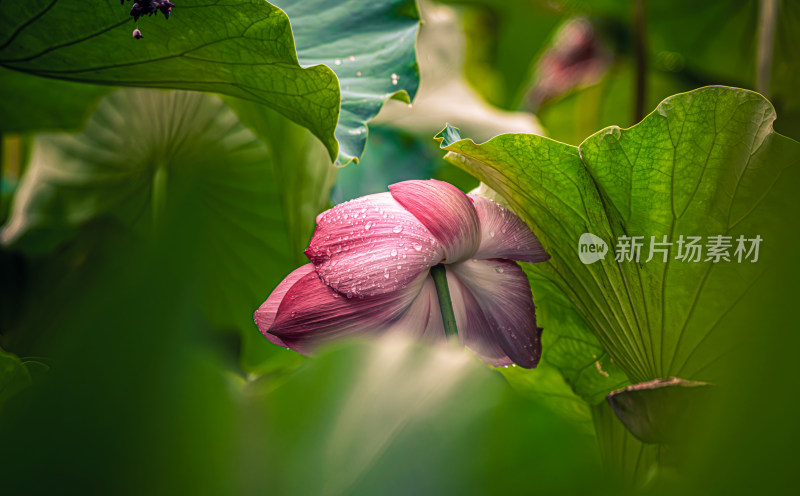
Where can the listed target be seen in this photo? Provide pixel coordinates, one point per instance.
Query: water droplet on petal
(397, 229)
(368, 225)
(417, 247)
(394, 252)
(499, 270)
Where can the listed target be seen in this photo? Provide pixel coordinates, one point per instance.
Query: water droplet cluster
(371, 245)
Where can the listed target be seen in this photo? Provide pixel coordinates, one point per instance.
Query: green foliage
(361, 418)
(577, 115)
(150, 160)
(370, 46)
(622, 451)
(300, 167)
(164, 218)
(242, 49)
(32, 103)
(504, 40)
(705, 163)
(567, 345)
(390, 429)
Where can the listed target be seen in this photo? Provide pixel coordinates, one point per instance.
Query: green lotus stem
(766, 39)
(448, 316)
(159, 195)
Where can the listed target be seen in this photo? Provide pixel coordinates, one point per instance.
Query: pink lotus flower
(370, 272)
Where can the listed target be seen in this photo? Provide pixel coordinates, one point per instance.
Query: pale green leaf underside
(242, 48)
(705, 163)
(370, 46)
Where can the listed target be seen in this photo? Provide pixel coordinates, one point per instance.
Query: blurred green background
(129, 363)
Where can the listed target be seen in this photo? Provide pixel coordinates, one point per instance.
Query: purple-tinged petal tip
(501, 292)
(504, 234)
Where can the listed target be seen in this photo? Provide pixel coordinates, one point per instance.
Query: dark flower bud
(137, 11)
(166, 8)
(142, 8)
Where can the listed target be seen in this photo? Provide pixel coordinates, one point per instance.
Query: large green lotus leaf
(705, 163)
(569, 345)
(152, 160)
(240, 48)
(370, 46)
(549, 387)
